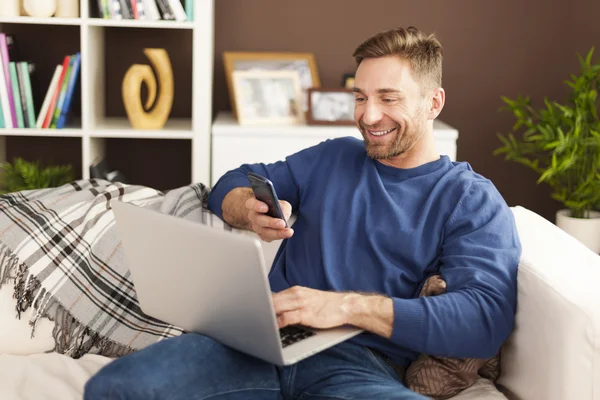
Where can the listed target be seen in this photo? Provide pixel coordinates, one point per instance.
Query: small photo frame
(303, 63)
(348, 81)
(268, 97)
(330, 107)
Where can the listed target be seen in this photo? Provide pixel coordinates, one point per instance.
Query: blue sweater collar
(406, 173)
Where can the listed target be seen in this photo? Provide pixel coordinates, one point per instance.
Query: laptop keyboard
(292, 334)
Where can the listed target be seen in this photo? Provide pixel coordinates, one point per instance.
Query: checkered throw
(61, 247)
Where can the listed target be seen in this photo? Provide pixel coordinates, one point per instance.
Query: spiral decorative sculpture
(156, 111)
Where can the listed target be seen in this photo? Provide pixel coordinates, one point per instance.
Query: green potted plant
(561, 142)
(26, 175)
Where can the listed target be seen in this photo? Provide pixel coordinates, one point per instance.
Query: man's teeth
(381, 133)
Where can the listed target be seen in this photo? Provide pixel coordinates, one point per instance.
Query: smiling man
(375, 218)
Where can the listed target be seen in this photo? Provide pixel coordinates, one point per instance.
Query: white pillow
(15, 333)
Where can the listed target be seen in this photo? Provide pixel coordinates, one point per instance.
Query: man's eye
(359, 99)
(389, 100)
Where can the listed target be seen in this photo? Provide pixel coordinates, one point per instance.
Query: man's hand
(309, 307)
(321, 309)
(266, 227)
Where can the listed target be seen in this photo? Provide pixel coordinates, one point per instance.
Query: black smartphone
(264, 191)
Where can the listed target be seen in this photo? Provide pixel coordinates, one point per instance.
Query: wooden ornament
(156, 111)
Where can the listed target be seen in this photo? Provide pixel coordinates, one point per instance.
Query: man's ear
(438, 99)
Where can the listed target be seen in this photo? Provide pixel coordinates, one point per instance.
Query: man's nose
(372, 114)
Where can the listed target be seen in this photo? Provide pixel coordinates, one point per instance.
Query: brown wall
(491, 49)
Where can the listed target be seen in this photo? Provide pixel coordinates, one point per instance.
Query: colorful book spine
(189, 9)
(22, 98)
(16, 94)
(61, 96)
(9, 89)
(134, 10)
(53, 103)
(106, 8)
(28, 94)
(49, 94)
(66, 108)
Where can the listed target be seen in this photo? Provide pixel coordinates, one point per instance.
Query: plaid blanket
(61, 247)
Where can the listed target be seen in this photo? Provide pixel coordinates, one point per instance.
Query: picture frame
(304, 63)
(330, 106)
(268, 97)
(348, 81)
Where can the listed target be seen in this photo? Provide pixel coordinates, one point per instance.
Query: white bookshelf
(94, 128)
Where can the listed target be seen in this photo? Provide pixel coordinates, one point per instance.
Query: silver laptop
(213, 282)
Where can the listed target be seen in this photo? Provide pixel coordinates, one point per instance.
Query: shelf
(40, 21)
(136, 23)
(41, 132)
(120, 128)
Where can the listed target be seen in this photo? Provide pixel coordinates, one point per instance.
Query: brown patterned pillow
(442, 378)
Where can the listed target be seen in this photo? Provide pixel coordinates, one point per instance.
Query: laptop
(213, 282)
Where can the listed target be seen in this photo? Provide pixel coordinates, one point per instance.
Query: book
(140, 9)
(106, 8)
(22, 91)
(189, 9)
(126, 9)
(5, 65)
(51, 90)
(134, 10)
(55, 95)
(16, 94)
(165, 9)
(61, 96)
(66, 108)
(5, 111)
(27, 70)
(151, 10)
(116, 11)
(177, 10)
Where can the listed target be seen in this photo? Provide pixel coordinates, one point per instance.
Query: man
(374, 220)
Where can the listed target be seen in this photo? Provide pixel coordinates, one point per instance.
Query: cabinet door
(229, 152)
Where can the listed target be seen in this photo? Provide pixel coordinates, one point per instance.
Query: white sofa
(553, 354)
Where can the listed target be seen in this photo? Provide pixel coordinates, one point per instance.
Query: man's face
(390, 109)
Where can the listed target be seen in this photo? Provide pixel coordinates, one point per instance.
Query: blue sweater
(364, 226)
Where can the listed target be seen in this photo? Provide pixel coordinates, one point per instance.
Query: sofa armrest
(554, 350)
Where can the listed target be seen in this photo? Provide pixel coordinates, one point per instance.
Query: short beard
(402, 143)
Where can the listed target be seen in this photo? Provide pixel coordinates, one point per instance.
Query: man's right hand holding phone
(268, 228)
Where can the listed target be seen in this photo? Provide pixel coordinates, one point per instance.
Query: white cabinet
(234, 145)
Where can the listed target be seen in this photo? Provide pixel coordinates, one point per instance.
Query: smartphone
(264, 191)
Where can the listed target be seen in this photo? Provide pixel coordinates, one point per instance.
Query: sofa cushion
(554, 351)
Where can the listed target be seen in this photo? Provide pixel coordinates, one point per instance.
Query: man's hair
(424, 52)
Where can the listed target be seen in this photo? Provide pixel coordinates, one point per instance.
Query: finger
(286, 208)
(289, 318)
(267, 222)
(284, 303)
(256, 205)
(269, 234)
(289, 299)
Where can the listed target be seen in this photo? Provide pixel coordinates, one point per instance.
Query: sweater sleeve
(478, 261)
(289, 177)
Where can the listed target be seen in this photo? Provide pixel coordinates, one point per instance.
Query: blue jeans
(195, 367)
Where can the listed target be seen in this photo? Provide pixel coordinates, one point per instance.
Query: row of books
(17, 100)
(152, 10)
(57, 103)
